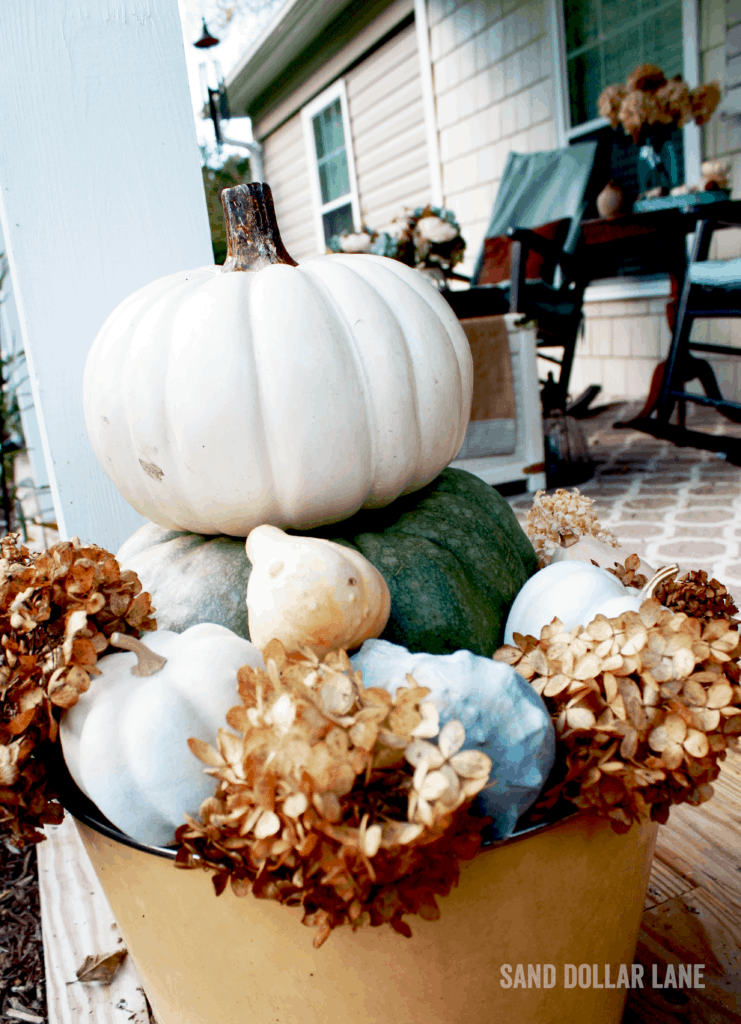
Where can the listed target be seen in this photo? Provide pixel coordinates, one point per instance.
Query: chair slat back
(538, 188)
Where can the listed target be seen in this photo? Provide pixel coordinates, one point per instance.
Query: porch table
(653, 242)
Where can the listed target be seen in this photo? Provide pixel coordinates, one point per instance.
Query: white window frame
(335, 91)
(631, 287)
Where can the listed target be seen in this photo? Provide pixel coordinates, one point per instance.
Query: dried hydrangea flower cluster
(629, 573)
(694, 594)
(644, 705)
(57, 611)
(648, 100)
(333, 796)
(561, 518)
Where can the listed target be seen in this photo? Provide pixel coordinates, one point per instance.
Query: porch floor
(680, 505)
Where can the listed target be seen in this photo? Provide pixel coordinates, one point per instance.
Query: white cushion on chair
(716, 273)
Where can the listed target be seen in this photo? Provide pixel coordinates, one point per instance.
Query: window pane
(663, 45)
(617, 13)
(581, 23)
(606, 39)
(334, 178)
(585, 85)
(622, 53)
(328, 132)
(336, 221)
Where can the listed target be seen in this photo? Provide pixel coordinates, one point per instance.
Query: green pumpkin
(453, 555)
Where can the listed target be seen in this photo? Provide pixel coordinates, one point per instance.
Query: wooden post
(100, 193)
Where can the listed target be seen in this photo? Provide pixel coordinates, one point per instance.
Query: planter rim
(85, 811)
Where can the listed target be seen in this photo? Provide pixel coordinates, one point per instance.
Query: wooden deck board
(77, 922)
(693, 911)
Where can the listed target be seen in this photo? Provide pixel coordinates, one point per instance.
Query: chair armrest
(549, 250)
(522, 240)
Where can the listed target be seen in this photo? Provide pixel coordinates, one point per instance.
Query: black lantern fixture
(207, 40)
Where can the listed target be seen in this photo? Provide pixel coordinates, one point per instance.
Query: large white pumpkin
(292, 395)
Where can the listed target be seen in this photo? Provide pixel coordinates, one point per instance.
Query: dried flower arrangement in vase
(649, 107)
(427, 237)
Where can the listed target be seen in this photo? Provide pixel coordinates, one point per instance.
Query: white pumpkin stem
(148, 661)
(655, 582)
(252, 237)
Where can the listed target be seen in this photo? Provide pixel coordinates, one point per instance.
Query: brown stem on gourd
(568, 539)
(252, 237)
(148, 661)
(655, 582)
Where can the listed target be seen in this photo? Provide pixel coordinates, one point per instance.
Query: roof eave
(296, 25)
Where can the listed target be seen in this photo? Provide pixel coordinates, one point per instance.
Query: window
(606, 39)
(329, 150)
(598, 42)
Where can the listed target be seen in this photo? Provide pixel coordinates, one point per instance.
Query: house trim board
(342, 47)
(560, 78)
(428, 101)
(95, 169)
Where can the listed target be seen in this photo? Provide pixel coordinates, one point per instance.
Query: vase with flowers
(650, 108)
(427, 237)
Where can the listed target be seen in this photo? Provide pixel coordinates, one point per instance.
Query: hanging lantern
(207, 40)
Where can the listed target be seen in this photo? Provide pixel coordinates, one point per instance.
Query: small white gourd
(576, 593)
(306, 591)
(125, 742)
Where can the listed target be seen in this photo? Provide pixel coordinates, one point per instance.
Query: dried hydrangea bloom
(57, 612)
(674, 103)
(609, 102)
(705, 98)
(637, 110)
(644, 704)
(356, 241)
(435, 230)
(331, 796)
(646, 78)
(560, 519)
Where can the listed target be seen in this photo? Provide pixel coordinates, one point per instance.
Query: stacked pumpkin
(325, 400)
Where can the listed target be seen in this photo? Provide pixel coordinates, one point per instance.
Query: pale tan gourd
(305, 591)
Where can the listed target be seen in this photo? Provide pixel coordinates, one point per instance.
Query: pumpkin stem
(655, 582)
(148, 661)
(252, 236)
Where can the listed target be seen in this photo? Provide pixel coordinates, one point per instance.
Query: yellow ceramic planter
(567, 894)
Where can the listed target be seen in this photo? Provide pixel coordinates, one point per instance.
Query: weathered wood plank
(77, 922)
(665, 884)
(693, 913)
(702, 844)
(691, 929)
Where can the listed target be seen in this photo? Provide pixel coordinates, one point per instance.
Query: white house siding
(493, 82)
(620, 345)
(384, 95)
(287, 173)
